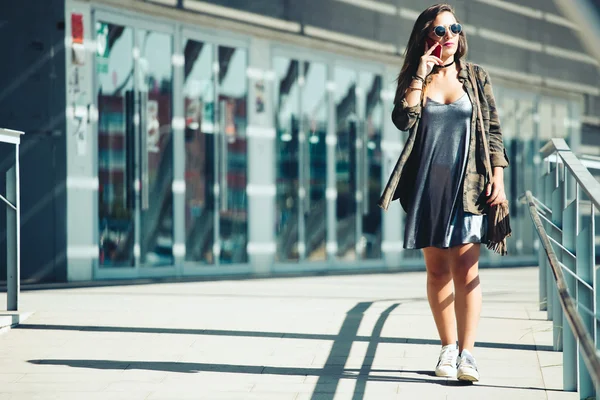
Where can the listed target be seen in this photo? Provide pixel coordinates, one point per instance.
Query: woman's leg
(467, 289)
(439, 293)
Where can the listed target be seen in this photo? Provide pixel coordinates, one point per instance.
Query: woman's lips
(448, 44)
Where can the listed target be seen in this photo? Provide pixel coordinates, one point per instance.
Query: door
(231, 150)
(155, 77)
(358, 122)
(287, 150)
(117, 197)
(301, 180)
(200, 156)
(315, 117)
(347, 155)
(370, 110)
(216, 204)
(135, 146)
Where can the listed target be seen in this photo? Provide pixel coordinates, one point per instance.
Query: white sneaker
(446, 366)
(467, 367)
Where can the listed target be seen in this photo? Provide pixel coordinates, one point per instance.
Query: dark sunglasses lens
(440, 31)
(456, 28)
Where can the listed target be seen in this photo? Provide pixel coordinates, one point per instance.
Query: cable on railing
(569, 306)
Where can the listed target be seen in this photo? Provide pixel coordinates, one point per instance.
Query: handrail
(569, 306)
(582, 175)
(566, 207)
(553, 146)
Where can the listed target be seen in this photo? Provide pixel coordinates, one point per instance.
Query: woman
(440, 177)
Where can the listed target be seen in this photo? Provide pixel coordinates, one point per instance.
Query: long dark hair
(416, 46)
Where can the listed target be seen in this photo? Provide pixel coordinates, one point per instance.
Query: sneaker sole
(468, 377)
(445, 375)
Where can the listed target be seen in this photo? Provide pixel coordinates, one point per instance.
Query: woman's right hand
(428, 61)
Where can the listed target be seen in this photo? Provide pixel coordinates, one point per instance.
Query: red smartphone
(437, 51)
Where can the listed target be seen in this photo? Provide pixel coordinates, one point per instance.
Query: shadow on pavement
(328, 373)
(306, 336)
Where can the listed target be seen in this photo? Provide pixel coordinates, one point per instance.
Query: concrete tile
(483, 390)
(51, 387)
(77, 396)
(8, 378)
(550, 358)
(553, 377)
(205, 395)
(560, 395)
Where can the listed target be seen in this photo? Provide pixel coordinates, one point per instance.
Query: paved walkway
(327, 338)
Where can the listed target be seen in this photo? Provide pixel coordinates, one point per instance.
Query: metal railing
(563, 215)
(13, 223)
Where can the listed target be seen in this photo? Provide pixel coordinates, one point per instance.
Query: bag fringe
(499, 228)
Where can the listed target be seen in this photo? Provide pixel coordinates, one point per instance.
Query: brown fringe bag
(498, 219)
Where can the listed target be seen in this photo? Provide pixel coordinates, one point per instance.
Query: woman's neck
(450, 69)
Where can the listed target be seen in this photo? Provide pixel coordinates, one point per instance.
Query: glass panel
(508, 117)
(116, 149)
(199, 106)
(314, 117)
(233, 91)
(287, 153)
(345, 161)
(527, 176)
(373, 109)
(561, 121)
(545, 118)
(156, 144)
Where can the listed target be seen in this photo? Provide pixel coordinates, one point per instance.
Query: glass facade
(327, 162)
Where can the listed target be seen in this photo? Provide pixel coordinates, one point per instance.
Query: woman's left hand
(495, 190)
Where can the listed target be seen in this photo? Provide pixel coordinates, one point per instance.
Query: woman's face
(449, 41)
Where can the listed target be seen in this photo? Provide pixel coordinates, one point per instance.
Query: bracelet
(415, 88)
(417, 77)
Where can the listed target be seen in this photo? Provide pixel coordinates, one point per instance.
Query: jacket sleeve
(498, 157)
(404, 116)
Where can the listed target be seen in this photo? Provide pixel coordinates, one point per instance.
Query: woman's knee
(437, 265)
(465, 264)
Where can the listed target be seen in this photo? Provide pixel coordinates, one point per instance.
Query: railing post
(549, 185)
(12, 238)
(542, 265)
(558, 206)
(585, 298)
(569, 241)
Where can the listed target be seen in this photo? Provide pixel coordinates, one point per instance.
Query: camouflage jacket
(407, 118)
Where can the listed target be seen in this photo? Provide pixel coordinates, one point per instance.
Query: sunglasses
(440, 30)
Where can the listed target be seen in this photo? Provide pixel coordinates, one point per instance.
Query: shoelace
(448, 357)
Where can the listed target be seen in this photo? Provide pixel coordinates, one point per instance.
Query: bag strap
(486, 149)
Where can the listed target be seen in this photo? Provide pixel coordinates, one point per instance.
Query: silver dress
(435, 214)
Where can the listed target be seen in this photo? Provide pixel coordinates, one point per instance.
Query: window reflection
(314, 118)
(345, 161)
(232, 154)
(287, 123)
(199, 106)
(114, 75)
(372, 105)
(155, 83)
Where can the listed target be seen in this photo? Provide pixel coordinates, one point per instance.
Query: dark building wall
(32, 99)
(393, 29)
